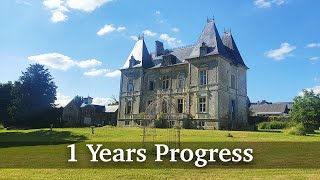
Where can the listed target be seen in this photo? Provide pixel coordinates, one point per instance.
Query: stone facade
(207, 82)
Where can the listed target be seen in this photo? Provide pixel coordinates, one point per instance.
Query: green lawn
(37, 154)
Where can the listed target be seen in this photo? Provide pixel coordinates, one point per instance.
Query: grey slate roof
(140, 54)
(232, 48)
(112, 109)
(268, 108)
(212, 39)
(209, 36)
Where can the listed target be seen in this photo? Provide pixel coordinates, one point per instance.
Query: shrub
(274, 125)
(1, 126)
(298, 130)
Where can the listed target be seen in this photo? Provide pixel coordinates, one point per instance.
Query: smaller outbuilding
(81, 112)
(271, 109)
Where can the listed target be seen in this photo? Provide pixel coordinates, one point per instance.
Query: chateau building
(207, 82)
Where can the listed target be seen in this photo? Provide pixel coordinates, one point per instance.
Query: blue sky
(85, 42)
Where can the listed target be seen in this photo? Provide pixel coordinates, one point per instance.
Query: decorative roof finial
(141, 36)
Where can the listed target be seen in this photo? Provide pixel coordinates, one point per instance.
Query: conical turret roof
(232, 48)
(139, 56)
(211, 38)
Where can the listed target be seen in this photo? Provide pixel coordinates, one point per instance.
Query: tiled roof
(111, 109)
(263, 108)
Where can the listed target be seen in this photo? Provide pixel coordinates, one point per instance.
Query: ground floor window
(139, 123)
(202, 123)
(126, 123)
(172, 123)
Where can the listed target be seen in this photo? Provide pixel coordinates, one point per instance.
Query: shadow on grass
(40, 137)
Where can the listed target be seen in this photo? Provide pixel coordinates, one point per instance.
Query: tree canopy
(306, 109)
(33, 95)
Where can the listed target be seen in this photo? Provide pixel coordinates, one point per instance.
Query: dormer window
(203, 49)
(132, 62)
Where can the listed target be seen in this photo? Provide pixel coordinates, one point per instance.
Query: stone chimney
(159, 48)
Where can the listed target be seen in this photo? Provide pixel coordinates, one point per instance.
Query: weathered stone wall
(218, 91)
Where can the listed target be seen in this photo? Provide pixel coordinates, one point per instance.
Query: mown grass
(278, 156)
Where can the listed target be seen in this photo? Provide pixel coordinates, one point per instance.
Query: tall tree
(5, 99)
(306, 109)
(33, 95)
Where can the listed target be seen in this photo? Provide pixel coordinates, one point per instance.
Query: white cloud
(315, 89)
(262, 4)
(54, 60)
(135, 38)
(149, 33)
(281, 53)
(62, 62)
(115, 73)
(175, 29)
(89, 63)
(96, 72)
(121, 28)
(105, 72)
(158, 12)
(171, 41)
(312, 45)
(62, 100)
(26, 3)
(59, 8)
(268, 3)
(86, 5)
(58, 16)
(106, 29)
(109, 28)
(314, 58)
(53, 4)
(102, 101)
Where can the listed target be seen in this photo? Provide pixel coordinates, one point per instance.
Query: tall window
(180, 105)
(130, 85)
(165, 82)
(151, 86)
(233, 109)
(180, 81)
(149, 102)
(203, 77)
(172, 124)
(202, 104)
(129, 107)
(233, 81)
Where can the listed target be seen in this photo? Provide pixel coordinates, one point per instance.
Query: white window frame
(202, 105)
(126, 123)
(203, 77)
(165, 82)
(181, 81)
